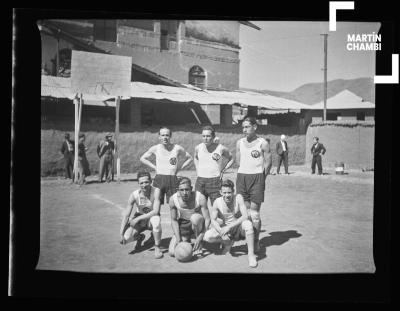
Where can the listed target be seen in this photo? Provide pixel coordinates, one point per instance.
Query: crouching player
(189, 216)
(146, 217)
(229, 222)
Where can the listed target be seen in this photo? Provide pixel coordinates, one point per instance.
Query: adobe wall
(352, 143)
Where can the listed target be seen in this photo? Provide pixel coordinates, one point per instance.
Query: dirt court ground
(310, 224)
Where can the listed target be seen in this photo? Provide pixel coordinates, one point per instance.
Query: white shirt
(209, 162)
(251, 158)
(283, 145)
(228, 215)
(166, 161)
(144, 205)
(69, 146)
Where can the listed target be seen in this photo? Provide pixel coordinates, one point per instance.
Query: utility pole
(325, 72)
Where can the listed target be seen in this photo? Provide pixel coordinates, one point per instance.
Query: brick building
(204, 53)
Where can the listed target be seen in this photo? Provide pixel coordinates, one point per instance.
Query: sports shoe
(253, 261)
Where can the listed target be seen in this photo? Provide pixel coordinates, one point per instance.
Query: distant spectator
(317, 149)
(67, 149)
(105, 151)
(283, 154)
(83, 164)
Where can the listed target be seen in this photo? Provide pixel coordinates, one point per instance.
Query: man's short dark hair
(252, 120)
(316, 138)
(209, 128)
(228, 183)
(66, 135)
(165, 128)
(143, 174)
(184, 180)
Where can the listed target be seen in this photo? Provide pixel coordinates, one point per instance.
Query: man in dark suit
(317, 149)
(105, 151)
(283, 153)
(67, 149)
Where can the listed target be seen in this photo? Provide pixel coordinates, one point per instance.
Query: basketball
(183, 252)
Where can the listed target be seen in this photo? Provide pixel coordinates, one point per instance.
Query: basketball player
(167, 163)
(254, 158)
(146, 217)
(211, 160)
(229, 222)
(189, 216)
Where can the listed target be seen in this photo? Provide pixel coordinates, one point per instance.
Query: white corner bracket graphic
(333, 7)
(394, 78)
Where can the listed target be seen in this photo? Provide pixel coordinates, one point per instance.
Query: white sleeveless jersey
(209, 162)
(251, 159)
(228, 215)
(144, 205)
(186, 213)
(166, 161)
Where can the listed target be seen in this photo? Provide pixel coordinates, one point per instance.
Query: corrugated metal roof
(60, 88)
(343, 100)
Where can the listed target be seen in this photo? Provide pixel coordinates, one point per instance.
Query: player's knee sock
(249, 231)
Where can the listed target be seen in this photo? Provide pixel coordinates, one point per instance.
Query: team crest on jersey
(255, 154)
(172, 161)
(216, 156)
(146, 210)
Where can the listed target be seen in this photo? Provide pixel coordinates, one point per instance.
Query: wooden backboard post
(117, 102)
(76, 141)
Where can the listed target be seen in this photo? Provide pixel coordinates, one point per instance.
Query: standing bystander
(283, 153)
(83, 164)
(105, 151)
(67, 149)
(317, 149)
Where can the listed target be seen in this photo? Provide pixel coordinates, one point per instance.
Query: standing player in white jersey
(211, 160)
(254, 158)
(168, 156)
(229, 222)
(146, 217)
(189, 216)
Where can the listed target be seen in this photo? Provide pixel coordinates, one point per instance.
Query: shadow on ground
(274, 238)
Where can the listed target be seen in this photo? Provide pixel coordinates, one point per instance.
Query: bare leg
(197, 226)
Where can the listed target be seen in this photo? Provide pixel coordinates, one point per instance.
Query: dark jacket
(82, 159)
(317, 150)
(279, 148)
(64, 148)
(104, 148)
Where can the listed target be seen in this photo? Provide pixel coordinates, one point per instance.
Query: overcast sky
(285, 55)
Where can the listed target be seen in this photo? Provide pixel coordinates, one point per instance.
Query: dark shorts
(251, 187)
(141, 225)
(168, 185)
(209, 187)
(237, 233)
(185, 228)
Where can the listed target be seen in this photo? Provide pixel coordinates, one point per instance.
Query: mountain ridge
(312, 93)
